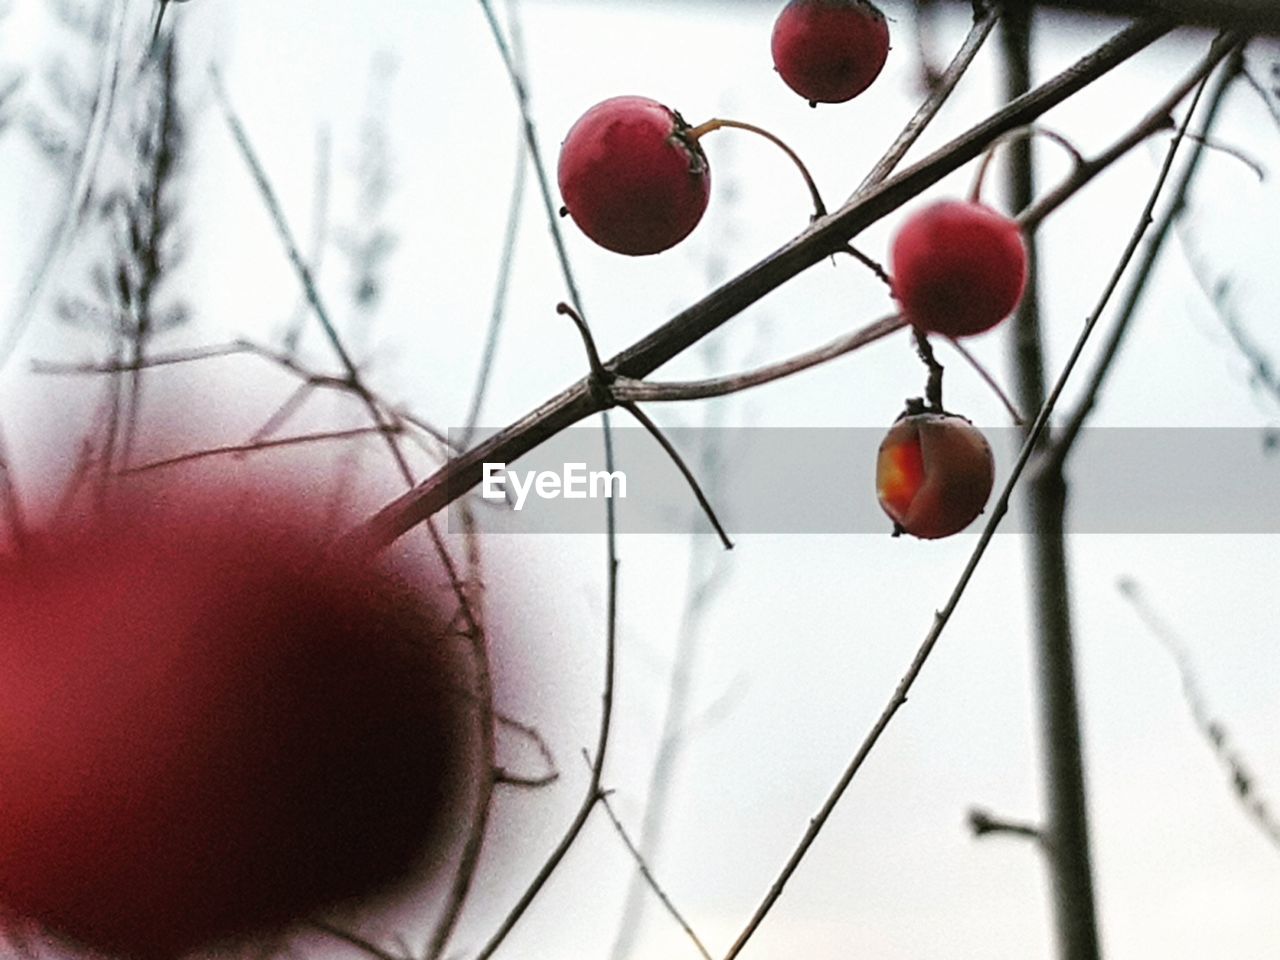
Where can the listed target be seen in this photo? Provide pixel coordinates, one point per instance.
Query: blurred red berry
(631, 178)
(211, 729)
(934, 474)
(959, 268)
(829, 51)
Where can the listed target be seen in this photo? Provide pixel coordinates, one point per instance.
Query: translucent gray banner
(822, 480)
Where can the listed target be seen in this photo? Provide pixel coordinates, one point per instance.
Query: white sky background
(808, 635)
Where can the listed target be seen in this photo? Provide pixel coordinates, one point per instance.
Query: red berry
(829, 51)
(210, 728)
(631, 178)
(934, 474)
(959, 268)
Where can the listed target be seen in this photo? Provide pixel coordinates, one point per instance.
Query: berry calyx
(959, 268)
(631, 178)
(829, 51)
(934, 473)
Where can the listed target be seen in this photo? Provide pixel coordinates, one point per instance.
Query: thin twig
(705, 574)
(625, 389)
(353, 939)
(1214, 732)
(1159, 118)
(388, 428)
(80, 183)
(1262, 93)
(1054, 457)
(319, 237)
(242, 449)
(943, 616)
(594, 791)
(504, 777)
(683, 467)
(61, 368)
(938, 95)
(516, 76)
(984, 824)
(988, 379)
(1263, 373)
(497, 312)
(647, 873)
(604, 380)
(285, 412)
(871, 264)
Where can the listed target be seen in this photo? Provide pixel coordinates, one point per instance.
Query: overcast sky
(805, 637)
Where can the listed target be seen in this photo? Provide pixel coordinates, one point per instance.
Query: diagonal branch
(709, 314)
(1055, 456)
(1213, 730)
(647, 873)
(938, 95)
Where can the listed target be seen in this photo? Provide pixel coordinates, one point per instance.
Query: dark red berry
(212, 727)
(631, 178)
(959, 268)
(829, 51)
(934, 474)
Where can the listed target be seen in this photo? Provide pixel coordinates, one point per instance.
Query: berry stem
(870, 263)
(716, 123)
(1030, 130)
(933, 386)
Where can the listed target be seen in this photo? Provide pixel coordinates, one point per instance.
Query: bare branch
(943, 616)
(1243, 782)
(938, 95)
(691, 325)
(1054, 458)
(242, 449)
(647, 873)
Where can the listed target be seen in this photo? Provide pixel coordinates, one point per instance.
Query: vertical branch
(515, 208)
(473, 846)
(705, 572)
(594, 790)
(704, 575)
(1066, 820)
(497, 312)
(148, 225)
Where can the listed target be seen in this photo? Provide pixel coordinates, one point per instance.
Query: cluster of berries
(636, 180)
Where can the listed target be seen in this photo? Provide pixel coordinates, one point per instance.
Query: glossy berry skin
(829, 51)
(959, 268)
(934, 474)
(630, 177)
(210, 730)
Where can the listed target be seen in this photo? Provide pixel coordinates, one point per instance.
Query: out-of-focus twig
(1214, 731)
